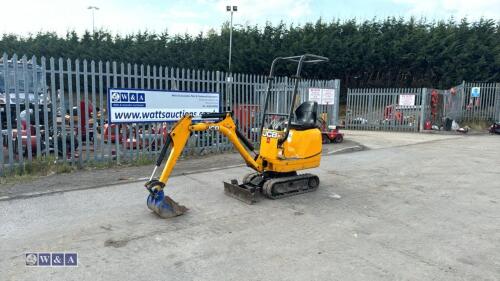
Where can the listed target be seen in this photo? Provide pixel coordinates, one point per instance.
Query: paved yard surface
(92, 178)
(407, 210)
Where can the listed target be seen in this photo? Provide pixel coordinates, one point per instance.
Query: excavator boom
(163, 205)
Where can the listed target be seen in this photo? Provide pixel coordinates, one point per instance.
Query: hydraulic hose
(163, 150)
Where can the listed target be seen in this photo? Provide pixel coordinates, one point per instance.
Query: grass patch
(48, 166)
(37, 168)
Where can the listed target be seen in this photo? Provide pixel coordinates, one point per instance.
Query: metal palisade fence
(485, 105)
(57, 108)
(409, 109)
(395, 109)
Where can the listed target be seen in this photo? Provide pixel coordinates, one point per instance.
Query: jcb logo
(270, 134)
(213, 128)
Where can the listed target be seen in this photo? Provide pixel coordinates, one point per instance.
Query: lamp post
(231, 9)
(93, 8)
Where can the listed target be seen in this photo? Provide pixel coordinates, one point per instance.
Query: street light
(231, 9)
(93, 8)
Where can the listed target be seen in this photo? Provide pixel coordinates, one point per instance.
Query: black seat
(305, 116)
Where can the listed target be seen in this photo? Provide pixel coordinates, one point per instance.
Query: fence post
(53, 103)
(37, 106)
(423, 108)
(336, 103)
(18, 112)
(27, 109)
(10, 144)
(465, 115)
(62, 106)
(347, 108)
(497, 102)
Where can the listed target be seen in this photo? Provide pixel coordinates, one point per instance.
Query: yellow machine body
(301, 150)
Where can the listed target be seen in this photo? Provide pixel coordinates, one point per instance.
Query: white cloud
(62, 15)
(185, 19)
(259, 11)
(457, 8)
(127, 16)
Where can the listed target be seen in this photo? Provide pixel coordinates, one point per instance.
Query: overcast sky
(127, 16)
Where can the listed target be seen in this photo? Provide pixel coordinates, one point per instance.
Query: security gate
(396, 109)
(408, 109)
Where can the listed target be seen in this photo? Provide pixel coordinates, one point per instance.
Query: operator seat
(305, 116)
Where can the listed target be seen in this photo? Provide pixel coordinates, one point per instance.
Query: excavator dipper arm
(163, 205)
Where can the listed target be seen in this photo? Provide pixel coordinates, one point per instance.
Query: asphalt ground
(425, 209)
(96, 178)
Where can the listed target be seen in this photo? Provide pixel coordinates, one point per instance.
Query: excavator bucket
(164, 206)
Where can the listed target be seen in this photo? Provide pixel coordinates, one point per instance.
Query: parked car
(495, 128)
(25, 89)
(28, 137)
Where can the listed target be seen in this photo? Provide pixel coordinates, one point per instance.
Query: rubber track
(269, 183)
(248, 177)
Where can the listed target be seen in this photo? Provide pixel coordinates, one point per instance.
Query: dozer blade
(164, 206)
(240, 192)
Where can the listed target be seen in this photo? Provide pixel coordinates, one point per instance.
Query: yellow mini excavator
(288, 143)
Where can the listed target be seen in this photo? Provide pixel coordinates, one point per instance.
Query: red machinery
(330, 134)
(23, 134)
(45, 145)
(393, 113)
(245, 116)
(138, 139)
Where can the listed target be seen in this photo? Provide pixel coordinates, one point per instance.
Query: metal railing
(381, 108)
(63, 115)
(485, 107)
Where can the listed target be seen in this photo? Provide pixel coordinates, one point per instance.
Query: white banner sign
(315, 95)
(322, 96)
(328, 96)
(140, 106)
(406, 100)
